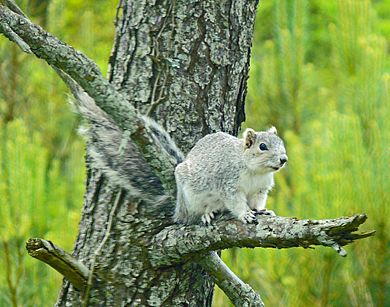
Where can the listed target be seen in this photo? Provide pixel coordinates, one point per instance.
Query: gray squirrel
(222, 172)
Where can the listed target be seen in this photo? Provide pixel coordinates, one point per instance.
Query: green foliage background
(319, 73)
(42, 169)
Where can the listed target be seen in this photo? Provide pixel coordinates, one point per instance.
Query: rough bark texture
(186, 64)
(268, 232)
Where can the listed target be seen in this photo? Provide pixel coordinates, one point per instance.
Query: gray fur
(220, 173)
(112, 151)
(223, 172)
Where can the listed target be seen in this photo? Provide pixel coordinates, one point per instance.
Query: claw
(264, 212)
(207, 217)
(249, 217)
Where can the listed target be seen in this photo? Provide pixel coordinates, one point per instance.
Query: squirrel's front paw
(248, 217)
(207, 217)
(264, 212)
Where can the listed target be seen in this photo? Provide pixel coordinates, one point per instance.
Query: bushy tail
(181, 212)
(112, 151)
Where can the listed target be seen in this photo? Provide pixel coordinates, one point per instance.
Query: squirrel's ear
(249, 138)
(272, 130)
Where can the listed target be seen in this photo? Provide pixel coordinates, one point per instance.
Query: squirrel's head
(264, 150)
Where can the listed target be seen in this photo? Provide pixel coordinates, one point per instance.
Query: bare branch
(72, 85)
(177, 244)
(72, 269)
(69, 62)
(240, 293)
(180, 243)
(78, 66)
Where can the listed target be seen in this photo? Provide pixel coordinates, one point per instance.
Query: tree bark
(185, 64)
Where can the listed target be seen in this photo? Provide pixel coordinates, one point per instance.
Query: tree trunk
(184, 63)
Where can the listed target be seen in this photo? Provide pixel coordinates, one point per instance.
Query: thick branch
(73, 270)
(68, 61)
(177, 243)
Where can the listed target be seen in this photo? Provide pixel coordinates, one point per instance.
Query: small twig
(9, 33)
(155, 103)
(156, 54)
(155, 86)
(99, 249)
(73, 86)
(72, 269)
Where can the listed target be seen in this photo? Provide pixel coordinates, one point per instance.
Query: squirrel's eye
(263, 147)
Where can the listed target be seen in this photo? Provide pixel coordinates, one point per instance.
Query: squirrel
(222, 172)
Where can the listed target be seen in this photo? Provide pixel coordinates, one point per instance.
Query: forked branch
(178, 244)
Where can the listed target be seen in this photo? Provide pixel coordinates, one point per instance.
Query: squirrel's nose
(283, 159)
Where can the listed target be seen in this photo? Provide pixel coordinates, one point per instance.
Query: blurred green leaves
(42, 169)
(321, 78)
(36, 200)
